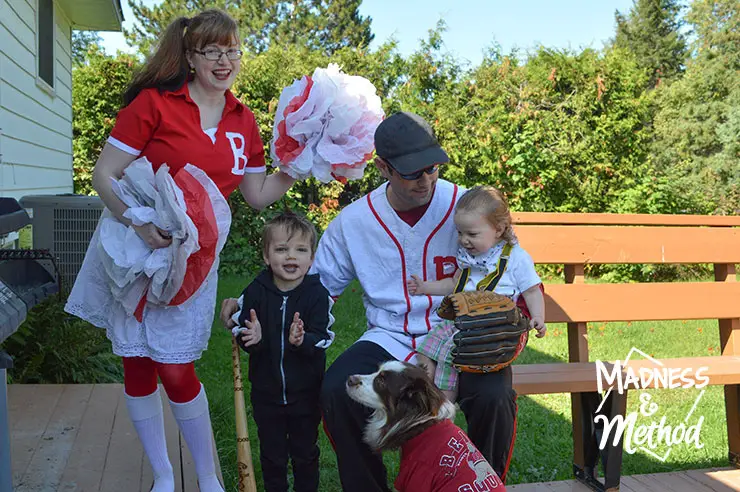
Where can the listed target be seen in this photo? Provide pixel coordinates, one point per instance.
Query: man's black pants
(288, 430)
(487, 400)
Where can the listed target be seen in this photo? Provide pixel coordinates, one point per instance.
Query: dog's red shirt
(443, 459)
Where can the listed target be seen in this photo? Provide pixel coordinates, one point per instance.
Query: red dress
(165, 127)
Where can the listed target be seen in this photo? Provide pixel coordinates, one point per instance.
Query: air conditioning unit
(64, 224)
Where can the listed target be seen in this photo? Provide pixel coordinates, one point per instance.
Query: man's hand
(253, 334)
(415, 285)
(538, 323)
(228, 308)
(296, 331)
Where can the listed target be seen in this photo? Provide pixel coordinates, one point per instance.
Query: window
(45, 55)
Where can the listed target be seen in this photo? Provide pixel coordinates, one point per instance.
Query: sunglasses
(417, 174)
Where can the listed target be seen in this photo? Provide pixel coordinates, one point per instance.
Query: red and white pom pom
(324, 126)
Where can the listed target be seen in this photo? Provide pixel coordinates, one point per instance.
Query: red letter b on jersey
(446, 266)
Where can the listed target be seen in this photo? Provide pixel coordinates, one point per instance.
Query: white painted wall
(35, 121)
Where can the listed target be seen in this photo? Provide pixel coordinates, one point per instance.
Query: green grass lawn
(543, 450)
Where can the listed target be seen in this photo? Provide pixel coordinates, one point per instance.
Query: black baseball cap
(407, 142)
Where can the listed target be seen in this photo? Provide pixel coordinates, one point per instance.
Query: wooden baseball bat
(243, 448)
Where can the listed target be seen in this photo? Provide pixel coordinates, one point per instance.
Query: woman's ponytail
(168, 67)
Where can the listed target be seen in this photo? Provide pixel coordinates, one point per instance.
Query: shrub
(52, 346)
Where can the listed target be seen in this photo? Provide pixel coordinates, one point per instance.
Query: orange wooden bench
(575, 240)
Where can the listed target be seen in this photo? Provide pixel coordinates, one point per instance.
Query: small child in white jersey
(484, 227)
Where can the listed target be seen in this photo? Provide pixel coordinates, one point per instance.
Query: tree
(342, 26)
(717, 28)
(82, 41)
(325, 25)
(651, 31)
(697, 126)
(97, 88)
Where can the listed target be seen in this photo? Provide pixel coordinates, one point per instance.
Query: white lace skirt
(168, 334)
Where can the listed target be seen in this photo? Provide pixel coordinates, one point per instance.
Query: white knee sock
(146, 415)
(195, 425)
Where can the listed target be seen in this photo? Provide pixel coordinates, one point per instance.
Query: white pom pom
(325, 124)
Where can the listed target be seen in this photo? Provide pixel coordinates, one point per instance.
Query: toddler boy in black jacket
(284, 326)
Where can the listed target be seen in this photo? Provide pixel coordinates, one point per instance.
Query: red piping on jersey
(403, 269)
(426, 245)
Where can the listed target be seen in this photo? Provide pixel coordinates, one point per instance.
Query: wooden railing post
(729, 335)
(577, 352)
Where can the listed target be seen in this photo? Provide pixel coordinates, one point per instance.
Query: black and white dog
(411, 413)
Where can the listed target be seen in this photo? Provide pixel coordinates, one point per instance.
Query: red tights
(179, 380)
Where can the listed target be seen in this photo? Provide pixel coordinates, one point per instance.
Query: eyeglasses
(213, 54)
(417, 174)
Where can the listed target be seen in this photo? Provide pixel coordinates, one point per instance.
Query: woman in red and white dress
(178, 110)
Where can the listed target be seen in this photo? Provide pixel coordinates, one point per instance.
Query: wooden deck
(714, 480)
(79, 437)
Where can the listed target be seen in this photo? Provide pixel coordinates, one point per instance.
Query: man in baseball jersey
(402, 227)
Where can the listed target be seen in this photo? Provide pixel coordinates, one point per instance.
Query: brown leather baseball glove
(492, 330)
